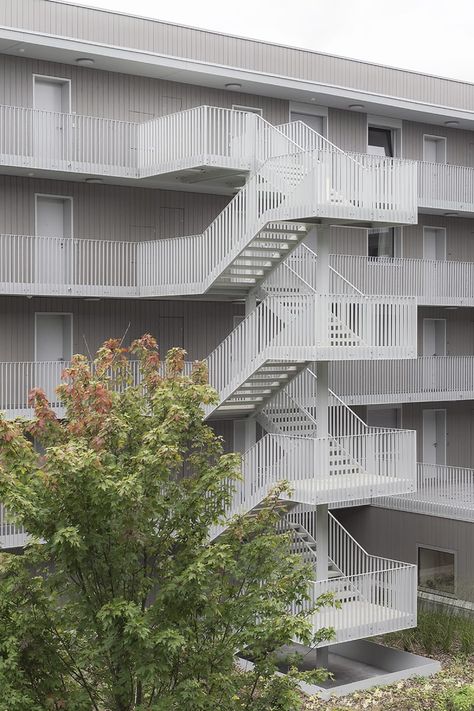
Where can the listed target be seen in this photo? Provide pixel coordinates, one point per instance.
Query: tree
(119, 601)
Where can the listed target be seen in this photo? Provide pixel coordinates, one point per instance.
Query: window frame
(438, 549)
(248, 109)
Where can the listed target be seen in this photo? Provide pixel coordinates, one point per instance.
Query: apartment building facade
(303, 222)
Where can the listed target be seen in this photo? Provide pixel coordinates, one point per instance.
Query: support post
(322, 410)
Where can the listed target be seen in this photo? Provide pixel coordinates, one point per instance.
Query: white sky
(433, 36)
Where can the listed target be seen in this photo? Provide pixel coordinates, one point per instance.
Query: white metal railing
(326, 470)
(429, 281)
(11, 534)
(17, 379)
(205, 135)
(442, 186)
(442, 490)
(308, 328)
(420, 379)
(371, 603)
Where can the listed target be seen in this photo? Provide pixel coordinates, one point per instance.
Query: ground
(442, 636)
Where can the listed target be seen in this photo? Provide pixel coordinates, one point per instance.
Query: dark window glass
(381, 243)
(380, 139)
(436, 571)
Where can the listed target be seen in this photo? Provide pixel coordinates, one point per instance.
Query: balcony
(72, 143)
(445, 187)
(430, 282)
(432, 378)
(441, 490)
(441, 186)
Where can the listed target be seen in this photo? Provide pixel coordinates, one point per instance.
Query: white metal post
(322, 411)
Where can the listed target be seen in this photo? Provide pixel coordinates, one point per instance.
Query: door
(434, 337)
(434, 149)
(51, 97)
(434, 243)
(434, 436)
(314, 121)
(53, 347)
(53, 254)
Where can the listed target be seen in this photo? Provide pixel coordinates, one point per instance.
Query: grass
(437, 633)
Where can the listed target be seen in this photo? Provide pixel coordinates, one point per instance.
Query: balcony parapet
(431, 282)
(441, 490)
(425, 379)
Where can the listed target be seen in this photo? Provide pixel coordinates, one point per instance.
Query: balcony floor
(455, 501)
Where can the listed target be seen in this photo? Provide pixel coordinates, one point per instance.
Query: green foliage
(461, 700)
(119, 603)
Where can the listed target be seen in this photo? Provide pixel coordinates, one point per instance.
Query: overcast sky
(433, 36)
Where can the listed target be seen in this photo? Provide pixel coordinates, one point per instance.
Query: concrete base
(358, 665)
(361, 665)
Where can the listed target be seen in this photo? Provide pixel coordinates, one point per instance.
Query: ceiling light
(313, 98)
(30, 175)
(233, 85)
(22, 49)
(91, 298)
(451, 123)
(450, 214)
(356, 107)
(94, 181)
(84, 61)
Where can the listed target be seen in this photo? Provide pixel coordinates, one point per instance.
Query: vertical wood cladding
(122, 96)
(110, 211)
(197, 326)
(348, 130)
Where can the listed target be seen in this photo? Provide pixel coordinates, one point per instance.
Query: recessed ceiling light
(94, 181)
(91, 298)
(313, 98)
(30, 175)
(451, 123)
(84, 61)
(22, 49)
(233, 85)
(450, 214)
(355, 107)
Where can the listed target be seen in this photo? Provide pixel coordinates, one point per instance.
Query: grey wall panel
(108, 211)
(459, 328)
(53, 17)
(459, 237)
(123, 96)
(197, 326)
(348, 130)
(459, 429)
(397, 535)
(348, 240)
(459, 143)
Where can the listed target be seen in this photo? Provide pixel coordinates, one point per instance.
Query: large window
(380, 141)
(436, 571)
(381, 242)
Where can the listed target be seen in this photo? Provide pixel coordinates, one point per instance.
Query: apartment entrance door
(434, 337)
(52, 96)
(434, 436)
(434, 243)
(53, 253)
(53, 347)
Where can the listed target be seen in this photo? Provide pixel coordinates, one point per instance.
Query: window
(436, 571)
(381, 242)
(380, 141)
(248, 109)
